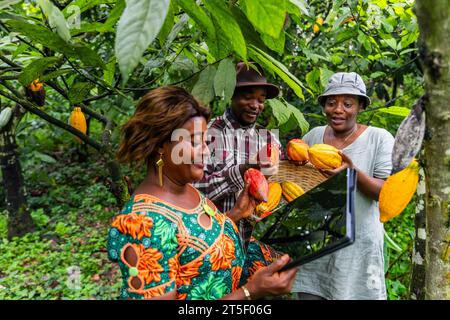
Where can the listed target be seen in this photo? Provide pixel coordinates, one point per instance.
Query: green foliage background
(195, 46)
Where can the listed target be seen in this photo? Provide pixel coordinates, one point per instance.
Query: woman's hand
(346, 163)
(269, 280)
(245, 205)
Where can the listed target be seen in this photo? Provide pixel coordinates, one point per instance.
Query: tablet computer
(315, 224)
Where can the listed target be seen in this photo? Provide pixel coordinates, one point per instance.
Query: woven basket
(306, 176)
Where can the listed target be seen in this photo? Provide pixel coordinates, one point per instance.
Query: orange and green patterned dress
(174, 250)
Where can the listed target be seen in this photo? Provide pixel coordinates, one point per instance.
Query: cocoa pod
(324, 156)
(297, 150)
(36, 92)
(265, 208)
(259, 187)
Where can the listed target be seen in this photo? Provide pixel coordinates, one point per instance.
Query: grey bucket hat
(345, 83)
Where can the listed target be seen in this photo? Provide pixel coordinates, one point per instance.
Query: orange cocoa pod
(259, 187)
(265, 208)
(36, 92)
(297, 150)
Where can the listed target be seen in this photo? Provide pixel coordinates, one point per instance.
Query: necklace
(347, 137)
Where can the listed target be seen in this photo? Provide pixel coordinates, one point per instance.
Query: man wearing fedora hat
(237, 143)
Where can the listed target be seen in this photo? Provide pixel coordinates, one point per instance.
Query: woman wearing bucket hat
(355, 272)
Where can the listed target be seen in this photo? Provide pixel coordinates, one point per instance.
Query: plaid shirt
(231, 145)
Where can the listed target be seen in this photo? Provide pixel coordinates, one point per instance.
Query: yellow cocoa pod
(78, 121)
(291, 190)
(319, 22)
(397, 191)
(316, 28)
(324, 156)
(297, 150)
(272, 201)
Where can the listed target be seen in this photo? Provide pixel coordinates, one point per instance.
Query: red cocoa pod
(259, 187)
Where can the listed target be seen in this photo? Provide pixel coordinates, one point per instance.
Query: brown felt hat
(247, 76)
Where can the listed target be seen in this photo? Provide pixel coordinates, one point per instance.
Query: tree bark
(20, 221)
(417, 285)
(434, 25)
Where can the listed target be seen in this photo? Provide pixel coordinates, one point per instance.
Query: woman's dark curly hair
(157, 115)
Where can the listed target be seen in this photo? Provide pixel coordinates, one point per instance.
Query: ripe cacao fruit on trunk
(324, 156)
(259, 188)
(78, 121)
(297, 150)
(291, 190)
(265, 208)
(36, 92)
(397, 191)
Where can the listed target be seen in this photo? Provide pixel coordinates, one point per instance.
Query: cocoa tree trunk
(20, 221)
(417, 285)
(434, 24)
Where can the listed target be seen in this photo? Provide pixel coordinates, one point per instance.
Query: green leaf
(276, 45)
(182, 22)
(248, 30)
(51, 40)
(44, 157)
(300, 118)
(391, 243)
(204, 88)
(36, 69)
(199, 16)
(391, 43)
(20, 49)
(279, 110)
(55, 74)
(346, 35)
(267, 16)
(115, 14)
(228, 26)
(225, 79)
(167, 26)
(302, 5)
(325, 75)
(137, 28)
(108, 26)
(313, 80)
(56, 19)
(394, 110)
(108, 74)
(7, 3)
(273, 65)
(83, 5)
(79, 91)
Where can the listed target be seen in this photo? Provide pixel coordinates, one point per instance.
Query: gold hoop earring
(160, 164)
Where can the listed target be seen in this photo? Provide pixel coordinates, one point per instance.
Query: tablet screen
(317, 223)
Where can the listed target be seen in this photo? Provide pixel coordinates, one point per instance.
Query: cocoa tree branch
(84, 108)
(18, 98)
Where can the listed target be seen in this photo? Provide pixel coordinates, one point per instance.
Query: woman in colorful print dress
(169, 240)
